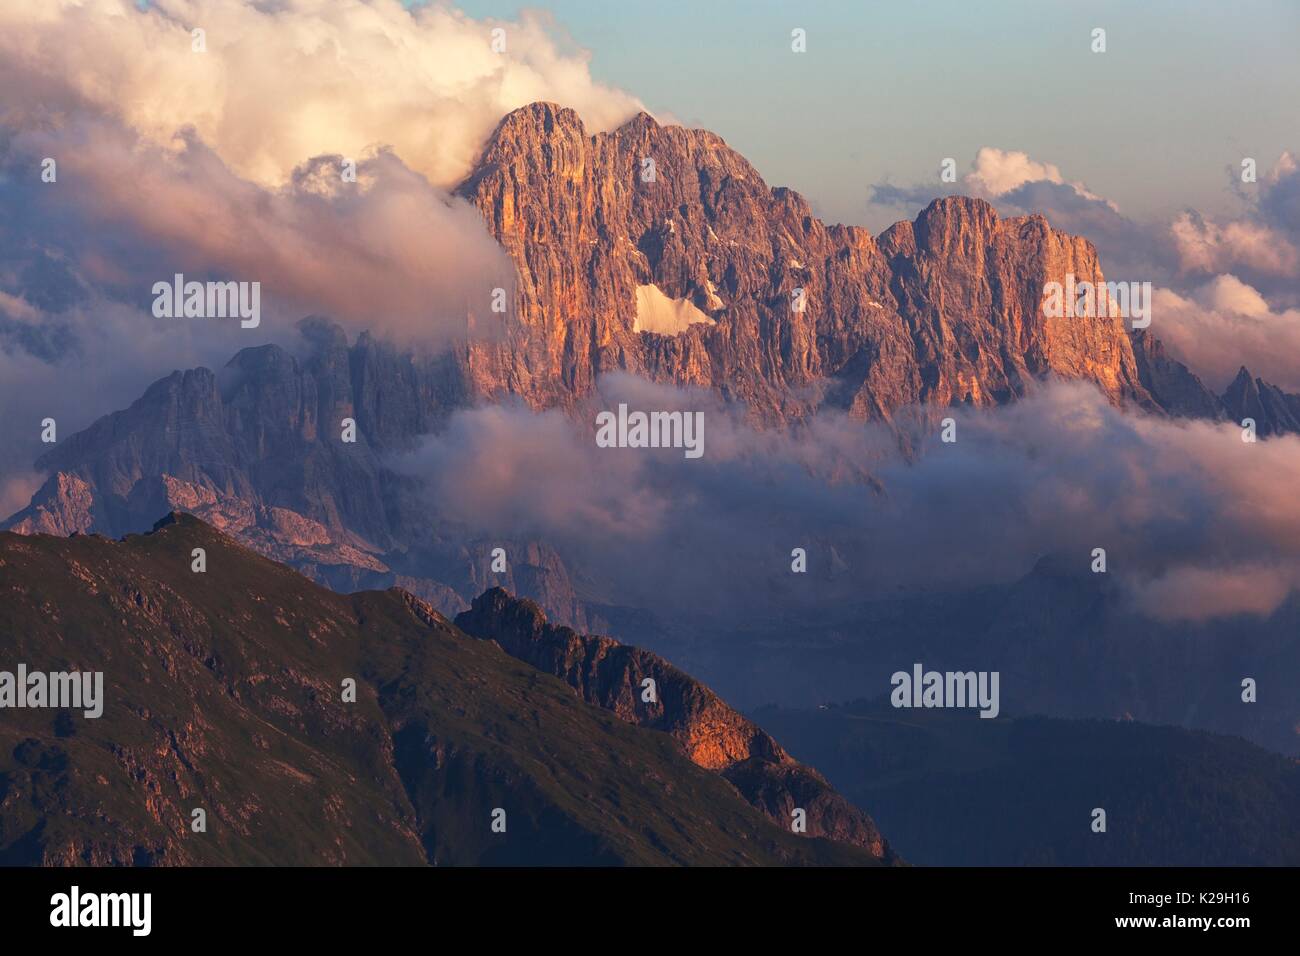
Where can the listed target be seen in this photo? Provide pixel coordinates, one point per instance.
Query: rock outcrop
(712, 734)
(1273, 411)
(64, 505)
(1171, 383)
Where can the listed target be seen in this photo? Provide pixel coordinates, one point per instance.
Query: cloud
(229, 162)
(1192, 594)
(996, 172)
(1279, 200)
(388, 251)
(1227, 293)
(1205, 246)
(1263, 245)
(79, 259)
(1018, 185)
(16, 491)
(1225, 324)
(227, 165)
(282, 82)
(1061, 472)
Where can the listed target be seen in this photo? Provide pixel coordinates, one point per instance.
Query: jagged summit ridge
(942, 310)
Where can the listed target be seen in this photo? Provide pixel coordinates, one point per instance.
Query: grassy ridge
(223, 691)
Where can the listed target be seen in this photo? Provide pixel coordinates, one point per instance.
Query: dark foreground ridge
(223, 691)
(613, 676)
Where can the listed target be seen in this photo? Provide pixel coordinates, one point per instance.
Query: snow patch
(655, 312)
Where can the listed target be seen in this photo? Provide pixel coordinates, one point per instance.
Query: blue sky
(886, 90)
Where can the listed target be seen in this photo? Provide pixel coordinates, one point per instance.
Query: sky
(885, 91)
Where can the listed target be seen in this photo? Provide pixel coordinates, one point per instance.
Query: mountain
(1181, 393)
(1174, 386)
(686, 279)
(612, 676)
(224, 691)
(940, 310)
(943, 310)
(1274, 411)
(956, 789)
(256, 451)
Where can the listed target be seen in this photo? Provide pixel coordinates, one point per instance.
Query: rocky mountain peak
(1243, 381)
(1273, 411)
(955, 224)
(1171, 383)
(64, 505)
(539, 119)
(786, 312)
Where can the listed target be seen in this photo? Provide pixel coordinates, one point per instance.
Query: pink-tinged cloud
(388, 252)
(1061, 472)
(1225, 324)
(16, 490)
(222, 155)
(1205, 246)
(1193, 594)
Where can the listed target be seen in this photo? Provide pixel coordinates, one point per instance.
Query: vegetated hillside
(952, 788)
(223, 692)
(644, 689)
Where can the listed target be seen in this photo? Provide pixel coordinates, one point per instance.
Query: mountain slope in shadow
(223, 691)
(644, 689)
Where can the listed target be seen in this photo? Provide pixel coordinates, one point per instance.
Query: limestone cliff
(942, 310)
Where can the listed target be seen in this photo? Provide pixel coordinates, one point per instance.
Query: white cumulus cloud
(282, 82)
(996, 172)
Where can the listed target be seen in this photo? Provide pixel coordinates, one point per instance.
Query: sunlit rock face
(660, 250)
